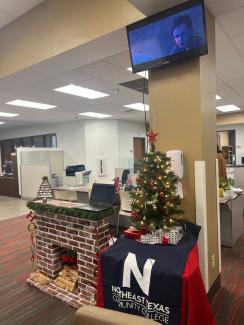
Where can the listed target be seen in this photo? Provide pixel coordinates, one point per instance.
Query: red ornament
(152, 137)
(165, 240)
(134, 214)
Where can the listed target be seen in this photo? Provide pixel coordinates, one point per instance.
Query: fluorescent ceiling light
(93, 114)
(8, 114)
(81, 91)
(228, 108)
(143, 74)
(218, 97)
(138, 106)
(2, 123)
(25, 103)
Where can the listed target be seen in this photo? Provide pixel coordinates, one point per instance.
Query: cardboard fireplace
(59, 232)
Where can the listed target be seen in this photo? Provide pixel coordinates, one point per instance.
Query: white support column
(218, 214)
(201, 219)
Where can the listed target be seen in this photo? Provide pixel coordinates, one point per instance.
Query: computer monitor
(102, 194)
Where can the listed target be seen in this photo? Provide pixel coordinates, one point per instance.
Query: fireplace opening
(67, 278)
(69, 259)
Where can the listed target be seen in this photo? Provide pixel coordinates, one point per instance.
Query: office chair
(124, 177)
(125, 209)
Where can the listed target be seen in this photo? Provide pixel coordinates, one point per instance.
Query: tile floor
(11, 207)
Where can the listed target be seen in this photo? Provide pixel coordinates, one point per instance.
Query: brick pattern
(74, 299)
(57, 232)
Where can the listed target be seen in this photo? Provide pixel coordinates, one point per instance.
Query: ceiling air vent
(129, 111)
(140, 85)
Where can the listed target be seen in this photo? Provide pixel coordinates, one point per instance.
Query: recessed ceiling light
(26, 103)
(218, 97)
(93, 114)
(8, 114)
(81, 91)
(143, 74)
(138, 106)
(228, 108)
(2, 123)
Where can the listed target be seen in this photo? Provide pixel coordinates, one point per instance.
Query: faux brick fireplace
(56, 232)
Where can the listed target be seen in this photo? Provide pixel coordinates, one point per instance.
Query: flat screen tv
(171, 35)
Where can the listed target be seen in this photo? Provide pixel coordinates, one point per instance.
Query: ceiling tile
(238, 41)
(122, 60)
(121, 76)
(153, 6)
(99, 69)
(232, 22)
(17, 7)
(229, 64)
(218, 7)
(5, 19)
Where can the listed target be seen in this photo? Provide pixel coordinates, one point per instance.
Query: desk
(69, 193)
(166, 286)
(231, 219)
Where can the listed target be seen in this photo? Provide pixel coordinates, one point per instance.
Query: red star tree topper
(152, 138)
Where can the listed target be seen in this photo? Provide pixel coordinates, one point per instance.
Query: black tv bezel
(166, 60)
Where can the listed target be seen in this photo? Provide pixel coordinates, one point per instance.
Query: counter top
(226, 199)
(84, 188)
(69, 209)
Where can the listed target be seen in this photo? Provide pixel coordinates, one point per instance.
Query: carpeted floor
(21, 304)
(228, 303)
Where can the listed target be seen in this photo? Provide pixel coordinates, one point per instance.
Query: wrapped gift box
(129, 233)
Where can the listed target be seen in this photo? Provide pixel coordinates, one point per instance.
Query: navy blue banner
(146, 280)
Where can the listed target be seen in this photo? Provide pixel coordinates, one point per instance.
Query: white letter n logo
(130, 265)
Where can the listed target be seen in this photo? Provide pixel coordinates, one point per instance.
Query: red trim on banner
(100, 302)
(195, 308)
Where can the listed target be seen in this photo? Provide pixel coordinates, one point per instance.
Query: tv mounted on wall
(171, 35)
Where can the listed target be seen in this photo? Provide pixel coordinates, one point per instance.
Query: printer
(76, 175)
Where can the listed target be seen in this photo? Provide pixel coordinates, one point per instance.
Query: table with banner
(160, 282)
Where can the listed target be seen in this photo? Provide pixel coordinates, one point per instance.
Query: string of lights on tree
(155, 202)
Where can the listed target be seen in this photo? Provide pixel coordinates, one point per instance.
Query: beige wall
(174, 113)
(182, 110)
(226, 119)
(57, 26)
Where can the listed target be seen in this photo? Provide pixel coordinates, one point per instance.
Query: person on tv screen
(183, 34)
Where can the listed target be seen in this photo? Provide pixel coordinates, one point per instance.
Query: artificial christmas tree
(45, 191)
(155, 203)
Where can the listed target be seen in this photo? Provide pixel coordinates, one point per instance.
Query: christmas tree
(45, 190)
(155, 202)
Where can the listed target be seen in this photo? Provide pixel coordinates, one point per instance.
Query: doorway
(139, 152)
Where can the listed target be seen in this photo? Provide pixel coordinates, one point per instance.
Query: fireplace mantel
(68, 208)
